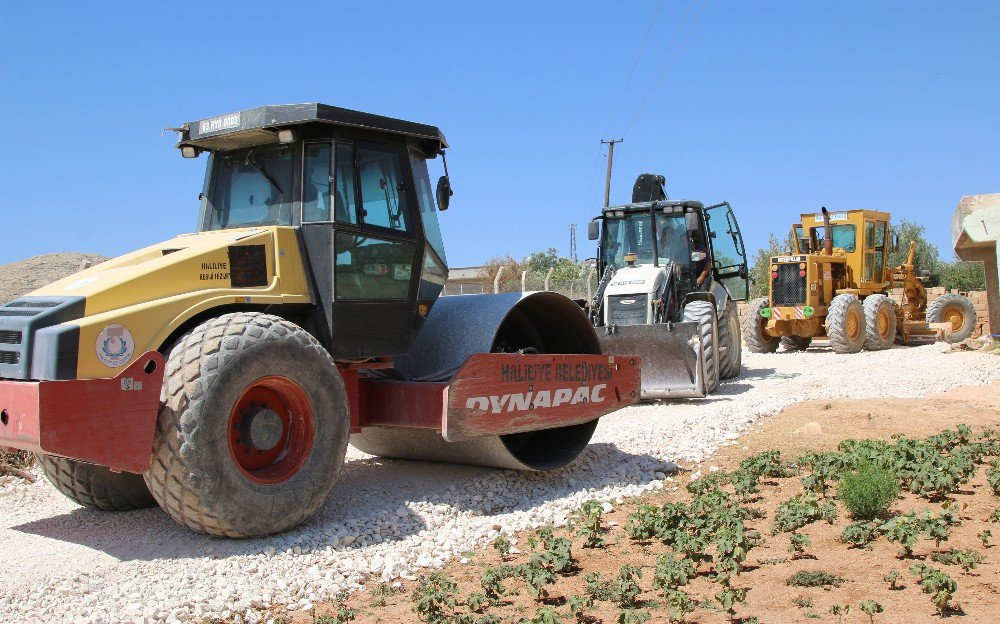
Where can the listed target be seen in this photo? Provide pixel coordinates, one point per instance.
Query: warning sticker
(115, 346)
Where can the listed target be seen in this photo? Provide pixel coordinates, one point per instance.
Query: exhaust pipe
(828, 239)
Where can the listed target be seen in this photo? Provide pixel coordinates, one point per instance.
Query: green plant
(984, 536)
(578, 606)
(643, 524)
(868, 491)
(672, 572)
(814, 579)
(729, 597)
(597, 588)
(587, 518)
(545, 615)
(477, 602)
(904, 530)
(502, 545)
(840, 611)
(383, 591)
(871, 609)
(434, 599)
(802, 602)
(993, 477)
(678, 604)
(632, 616)
(995, 516)
(489, 618)
(747, 476)
(537, 575)
(627, 588)
(859, 534)
(558, 555)
(493, 578)
(892, 578)
(939, 585)
(968, 559)
(798, 542)
(801, 510)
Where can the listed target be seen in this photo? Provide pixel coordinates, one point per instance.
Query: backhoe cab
(649, 301)
(834, 283)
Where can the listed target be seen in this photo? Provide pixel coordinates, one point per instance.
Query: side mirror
(895, 242)
(593, 230)
(692, 222)
(443, 192)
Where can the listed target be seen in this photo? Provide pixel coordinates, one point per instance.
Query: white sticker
(216, 124)
(834, 216)
(81, 282)
(115, 346)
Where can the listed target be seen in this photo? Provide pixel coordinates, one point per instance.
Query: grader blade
(671, 356)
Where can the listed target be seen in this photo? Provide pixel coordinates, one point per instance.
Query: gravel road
(390, 519)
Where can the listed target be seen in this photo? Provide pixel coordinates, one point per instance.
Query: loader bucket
(671, 356)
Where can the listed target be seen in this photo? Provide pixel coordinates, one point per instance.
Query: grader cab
(835, 284)
(222, 374)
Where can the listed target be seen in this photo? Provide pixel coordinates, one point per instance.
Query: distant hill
(24, 276)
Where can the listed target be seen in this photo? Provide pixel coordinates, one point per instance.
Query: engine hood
(637, 280)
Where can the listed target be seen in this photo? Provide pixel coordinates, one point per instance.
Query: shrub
(868, 491)
(434, 599)
(939, 585)
(814, 579)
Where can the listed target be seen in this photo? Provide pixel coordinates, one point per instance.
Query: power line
(635, 64)
(673, 52)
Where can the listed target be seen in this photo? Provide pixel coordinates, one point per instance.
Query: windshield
(844, 236)
(250, 187)
(634, 233)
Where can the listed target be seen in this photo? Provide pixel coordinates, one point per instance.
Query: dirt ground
(808, 426)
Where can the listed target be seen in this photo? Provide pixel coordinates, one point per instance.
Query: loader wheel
(957, 310)
(796, 343)
(757, 338)
(845, 324)
(703, 313)
(96, 486)
(252, 430)
(880, 322)
(730, 342)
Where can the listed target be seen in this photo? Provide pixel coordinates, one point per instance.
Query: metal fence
(505, 282)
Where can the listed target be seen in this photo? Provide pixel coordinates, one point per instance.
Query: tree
(963, 275)
(925, 257)
(510, 281)
(565, 269)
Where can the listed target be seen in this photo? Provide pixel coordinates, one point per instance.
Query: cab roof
(658, 205)
(255, 126)
(815, 218)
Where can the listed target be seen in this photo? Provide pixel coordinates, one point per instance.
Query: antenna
(572, 242)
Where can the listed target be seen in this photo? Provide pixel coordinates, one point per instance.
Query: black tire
(196, 475)
(957, 310)
(757, 339)
(845, 324)
(796, 343)
(703, 313)
(96, 486)
(730, 342)
(880, 322)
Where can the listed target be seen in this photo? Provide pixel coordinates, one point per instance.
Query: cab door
(729, 257)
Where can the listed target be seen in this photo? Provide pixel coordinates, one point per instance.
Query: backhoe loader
(671, 273)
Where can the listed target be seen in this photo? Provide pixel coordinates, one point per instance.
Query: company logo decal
(521, 401)
(115, 346)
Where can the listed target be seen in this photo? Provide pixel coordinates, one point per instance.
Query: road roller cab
(221, 374)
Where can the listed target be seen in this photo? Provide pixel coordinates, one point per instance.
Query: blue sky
(777, 107)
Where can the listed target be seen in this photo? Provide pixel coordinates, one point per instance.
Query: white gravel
(389, 519)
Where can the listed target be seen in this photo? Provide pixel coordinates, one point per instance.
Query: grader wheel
(845, 324)
(758, 340)
(880, 322)
(955, 309)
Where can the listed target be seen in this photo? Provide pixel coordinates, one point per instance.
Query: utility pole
(611, 157)
(572, 242)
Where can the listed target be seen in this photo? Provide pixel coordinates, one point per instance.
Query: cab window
(316, 182)
(383, 196)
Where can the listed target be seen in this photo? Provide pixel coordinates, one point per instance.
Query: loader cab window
(250, 187)
(844, 236)
(632, 233)
(875, 237)
(672, 239)
(802, 242)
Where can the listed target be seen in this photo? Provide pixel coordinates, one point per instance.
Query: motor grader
(834, 283)
(222, 374)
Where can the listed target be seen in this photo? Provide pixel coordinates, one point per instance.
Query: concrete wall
(975, 227)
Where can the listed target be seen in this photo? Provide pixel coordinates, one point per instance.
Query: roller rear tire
(730, 342)
(880, 322)
(703, 313)
(845, 324)
(957, 310)
(756, 337)
(96, 486)
(252, 430)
